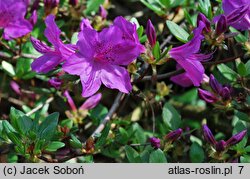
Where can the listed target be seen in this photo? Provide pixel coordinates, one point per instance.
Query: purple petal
(91, 83)
(47, 62)
(182, 80)
(203, 18)
(85, 24)
(116, 77)
(77, 65)
(52, 32)
(17, 29)
(92, 101)
(88, 39)
(40, 46)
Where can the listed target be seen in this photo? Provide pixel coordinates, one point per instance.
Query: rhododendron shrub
(151, 82)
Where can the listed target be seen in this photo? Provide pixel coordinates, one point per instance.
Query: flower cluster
(219, 92)
(221, 146)
(98, 57)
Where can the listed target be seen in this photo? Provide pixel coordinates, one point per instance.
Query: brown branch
(112, 110)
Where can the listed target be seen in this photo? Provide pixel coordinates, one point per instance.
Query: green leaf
(227, 72)
(240, 37)
(20, 121)
(23, 69)
(54, 146)
(205, 8)
(75, 143)
(245, 159)
(102, 139)
(11, 133)
(8, 68)
(157, 156)
(139, 134)
(242, 116)
(242, 70)
(93, 6)
(140, 31)
(74, 38)
(196, 153)
(171, 117)
(132, 155)
(177, 31)
(154, 6)
(157, 50)
(247, 65)
(48, 127)
(98, 113)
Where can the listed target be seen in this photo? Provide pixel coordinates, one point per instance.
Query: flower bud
(15, 87)
(174, 135)
(151, 34)
(55, 82)
(155, 142)
(207, 96)
(208, 136)
(33, 18)
(102, 11)
(235, 139)
(215, 85)
(225, 93)
(203, 18)
(220, 146)
(221, 25)
(91, 102)
(70, 101)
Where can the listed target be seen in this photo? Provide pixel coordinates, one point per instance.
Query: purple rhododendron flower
(102, 55)
(189, 59)
(12, 19)
(51, 56)
(234, 10)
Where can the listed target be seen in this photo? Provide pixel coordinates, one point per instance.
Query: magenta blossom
(189, 58)
(90, 103)
(233, 10)
(103, 55)
(12, 19)
(51, 56)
